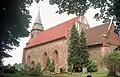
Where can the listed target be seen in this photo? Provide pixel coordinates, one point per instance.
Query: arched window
(32, 65)
(28, 60)
(44, 60)
(56, 58)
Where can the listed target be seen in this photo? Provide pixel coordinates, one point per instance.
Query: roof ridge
(56, 26)
(62, 23)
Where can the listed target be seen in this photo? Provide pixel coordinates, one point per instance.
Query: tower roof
(38, 24)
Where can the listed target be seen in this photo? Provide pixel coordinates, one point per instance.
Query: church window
(44, 60)
(56, 58)
(28, 59)
(32, 65)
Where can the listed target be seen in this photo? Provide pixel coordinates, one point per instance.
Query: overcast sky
(49, 19)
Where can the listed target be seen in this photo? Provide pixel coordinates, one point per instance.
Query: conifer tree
(73, 46)
(78, 54)
(83, 49)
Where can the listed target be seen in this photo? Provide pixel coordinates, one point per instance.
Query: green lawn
(63, 75)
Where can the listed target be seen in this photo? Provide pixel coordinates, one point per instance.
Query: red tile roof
(93, 35)
(53, 33)
(113, 39)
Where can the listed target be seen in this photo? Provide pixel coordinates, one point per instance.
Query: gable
(96, 34)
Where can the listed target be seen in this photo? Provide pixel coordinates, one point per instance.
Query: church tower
(37, 27)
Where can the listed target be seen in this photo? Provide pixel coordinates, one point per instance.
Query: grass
(63, 75)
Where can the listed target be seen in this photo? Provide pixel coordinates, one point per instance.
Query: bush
(70, 68)
(8, 69)
(31, 71)
(35, 71)
(24, 70)
(112, 62)
(49, 65)
(91, 66)
(38, 68)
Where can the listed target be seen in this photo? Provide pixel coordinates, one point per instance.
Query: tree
(112, 62)
(107, 8)
(73, 46)
(14, 21)
(77, 48)
(83, 49)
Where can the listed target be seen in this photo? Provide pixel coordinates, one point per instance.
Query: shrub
(8, 69)
(24, 70)
(35, 71)
(49, 65)
(112, 62)
(70, 68)
(52, 66)
(38, 68)
(91, 66)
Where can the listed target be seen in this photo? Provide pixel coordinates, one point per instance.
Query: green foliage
(31, 71)
(47, 64)
(34, 72)
(112, 62)
(78, 54)
(18, 66)
(50, 65)
(10, 69)
(73, 46)
(14, 21)
(83, 53)
(91, 66)
(38, 67)
(69, 68)
(107, 8)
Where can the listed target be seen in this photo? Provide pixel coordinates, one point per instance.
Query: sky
(49, 18)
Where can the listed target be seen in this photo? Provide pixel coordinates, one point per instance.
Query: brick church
(53, 42)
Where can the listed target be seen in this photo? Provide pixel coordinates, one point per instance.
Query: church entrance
(44, 60)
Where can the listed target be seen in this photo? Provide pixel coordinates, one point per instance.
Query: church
(53, 42)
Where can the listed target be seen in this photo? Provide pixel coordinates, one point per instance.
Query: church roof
(93, 35)
(53, 33)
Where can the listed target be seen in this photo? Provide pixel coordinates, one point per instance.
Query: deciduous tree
(14, 21)
(112, 62)
(107, 8)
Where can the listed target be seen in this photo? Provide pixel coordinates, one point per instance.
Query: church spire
(38, 24)
(38, 18)
(37, 27)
